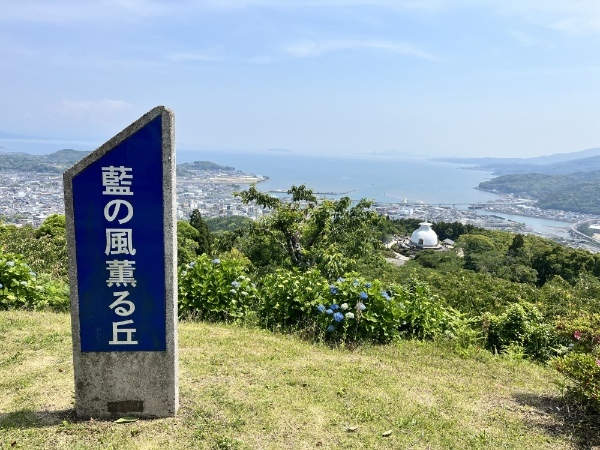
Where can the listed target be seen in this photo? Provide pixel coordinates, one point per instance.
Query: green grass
(243, 388)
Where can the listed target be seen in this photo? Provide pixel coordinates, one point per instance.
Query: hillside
(56, 162)
(576, 192)
(283, 393)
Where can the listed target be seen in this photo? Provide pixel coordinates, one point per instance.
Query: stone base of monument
(120, 384)
(121, 230)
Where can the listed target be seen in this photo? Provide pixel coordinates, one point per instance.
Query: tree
(309, 232)
(187, 242)
(203, 238)
(53, 226)
(516, 248)
(480, 252)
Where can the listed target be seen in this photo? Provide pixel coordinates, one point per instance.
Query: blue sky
(337, 77)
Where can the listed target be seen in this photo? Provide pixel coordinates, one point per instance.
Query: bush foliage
(316, 266)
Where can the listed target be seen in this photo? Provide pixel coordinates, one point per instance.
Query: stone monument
(121, 236)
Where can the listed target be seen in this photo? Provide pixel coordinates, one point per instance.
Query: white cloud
(571, 16)
(578, 26)
(310, 48)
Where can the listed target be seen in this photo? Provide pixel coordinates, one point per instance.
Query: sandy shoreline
(237, 180)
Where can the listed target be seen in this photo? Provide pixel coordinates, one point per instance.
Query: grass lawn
(244, 388)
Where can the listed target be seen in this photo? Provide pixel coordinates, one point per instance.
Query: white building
(424, 237)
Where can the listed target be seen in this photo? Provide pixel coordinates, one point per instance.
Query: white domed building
(425, 238)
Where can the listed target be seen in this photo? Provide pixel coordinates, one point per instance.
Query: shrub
(18, 287)
(521, 324)
(361, 310)
(424, 315)
(581, 364)
(289, 297)
(216, 289)
(45, 251)
(355, 309)
(53, 294)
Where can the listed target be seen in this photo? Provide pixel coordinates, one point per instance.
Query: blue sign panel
(119, 234)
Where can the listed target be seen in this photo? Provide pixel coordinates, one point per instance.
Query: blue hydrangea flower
(235, 284)
(1, 286)
(363, 295)
(216, 261)
(321, 308)
(349, 315)
(338, 317)
(333, 289)
(328, 311)
(344, 306)
(368, 285)
(334, 307)
(341, 280)
(330, 329)
(192, 264)
(361, 306)
(386, 295)
(355, 283)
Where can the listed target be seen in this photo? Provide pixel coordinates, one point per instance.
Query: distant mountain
(559, 163)
(56, 162)
(61, 160)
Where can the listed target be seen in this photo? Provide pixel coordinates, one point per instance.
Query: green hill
(56, 162)
(577, 192)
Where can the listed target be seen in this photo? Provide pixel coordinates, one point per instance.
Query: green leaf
(127, 419)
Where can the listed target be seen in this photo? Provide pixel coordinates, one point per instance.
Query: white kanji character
(116, 180)
(120, 272)
(119, 241)
(128, 331)
(115, 205)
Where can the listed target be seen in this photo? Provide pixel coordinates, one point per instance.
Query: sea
(378, 178)
(381, 179)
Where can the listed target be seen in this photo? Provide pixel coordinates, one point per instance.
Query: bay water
(388, 180)
(378, 178)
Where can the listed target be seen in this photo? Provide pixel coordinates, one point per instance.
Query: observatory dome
(424, 237)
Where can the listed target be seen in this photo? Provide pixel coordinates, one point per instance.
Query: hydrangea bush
(18, 286)
(216, 289)
(356, 309)
(289, 297)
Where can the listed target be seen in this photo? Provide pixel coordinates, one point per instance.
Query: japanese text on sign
(117, 181)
